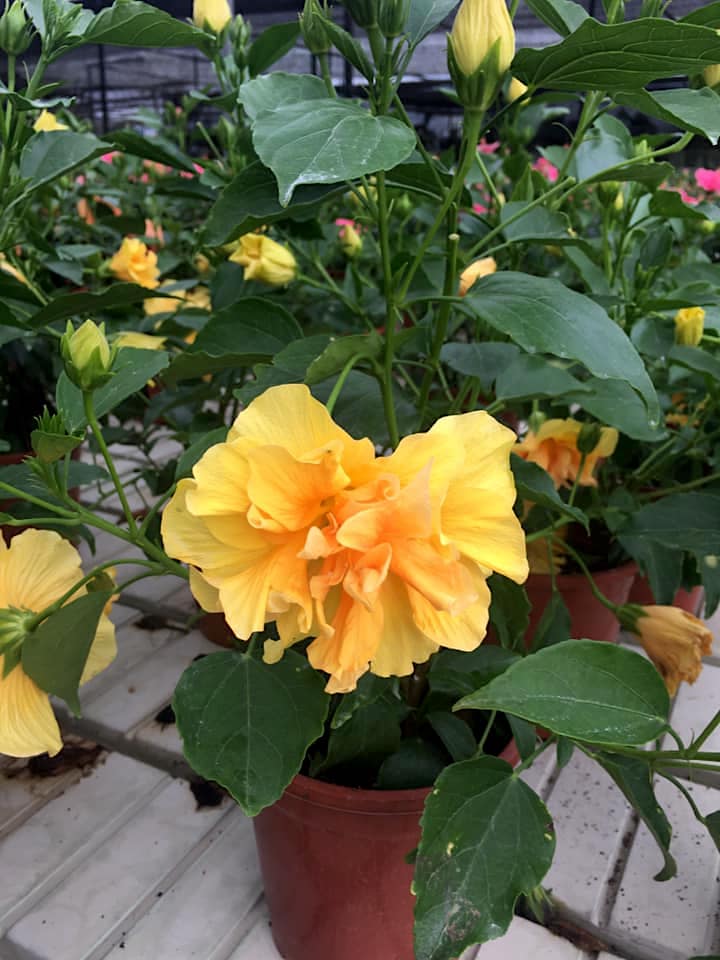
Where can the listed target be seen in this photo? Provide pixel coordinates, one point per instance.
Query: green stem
(576, 481)
(340, 383)
(489, 182)
(596, 592)
(587, 116)
(390, 313)
(443, 319)
(429, 162)
(486, 731)
(528, 762)
(326, 75)
(680, 487)
(685, 792)
(110, 463)
(707, 732)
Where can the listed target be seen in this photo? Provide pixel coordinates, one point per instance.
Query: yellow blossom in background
(689, 325)
(48, 122)
(478, 26)
(36, 569)
(675, 641)
(554, 448)
(215, 14)
(134, 263)
(199, 298)
(156, 305)
(264, 260)
(139, 341)
(711, 75)
(382, 560)
(202, 264)
(544, 559)
(516, 89)
(479, 268)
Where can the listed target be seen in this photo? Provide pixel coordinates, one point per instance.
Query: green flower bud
(363, 12)
(312, 21)
(14, 630)
(87, 355)
(392, 17)
(15, 31)
(50, 440)
(589, 437)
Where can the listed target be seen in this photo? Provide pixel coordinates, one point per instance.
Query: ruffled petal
(345, 652)
(37, 568)
(221, 476)
(447, 586)
(402, 643)
(27, 723)
(465, 631)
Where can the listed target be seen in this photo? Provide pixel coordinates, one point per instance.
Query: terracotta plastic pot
(589, 619)
(689, 600)
(333, 863)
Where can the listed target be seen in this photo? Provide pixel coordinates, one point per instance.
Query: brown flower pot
(689, 600)
(589, 619)
(333, 862)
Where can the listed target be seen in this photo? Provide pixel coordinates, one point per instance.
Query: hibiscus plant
(400, 380)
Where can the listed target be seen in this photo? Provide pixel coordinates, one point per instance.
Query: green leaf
(533, 376)
(616, 404)
(534, 484)
(272, 45)
(131, 371)
(524, 735)
(619, 57)
(564, 750)
(706, 16)
(591, 691)
(341, 350)
(544, 316)
(681, 521)
(22, 103)
(251, 201)
(697, 111)
(316, 141)
(539, 224)
(696, 359)
(361, 744)
(456, 735)
(456, 672)
(193, 453)
(555, 625)
(249, 331)
(50, 154)
(349, 48)
(486, 361)
(269, 93)
(54, 655)
(661, 565)
(635, 780)
(369, 689)
(79, 304)
(669, 203)
(130, 23)
(424, 16)
(288, 366)
(509, 611)
(712, 822)
(415, 177)
(467, 877)
(247, 725)
(562, 16)
(417, 763)
(159, 149)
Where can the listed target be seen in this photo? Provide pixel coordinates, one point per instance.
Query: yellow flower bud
(479, 268)
(350, 239)
(481, 46)
(689, 324)
(211, 14)
(87, 355)
(675, 641)
(516, 89)
(711, 75)
(264, 260)
(48, 122)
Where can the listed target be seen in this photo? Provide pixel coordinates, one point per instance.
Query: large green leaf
(276, 89)
(532, 376)
(339, 352)
(635, 780)
(424, 16)
(54, 655)
(251, 200)
(695, 110)
(696, 359)
(157, 148)
(538, 224)
(455, 672)
(563, 16)
(271, 45)
(591, 691)
(705, 16)
(681, 521)
(486, 361)
(544, 316)
(369, 689)
(247, 725)
(247, 332)
(619, 57)
(22, 103)
(486, 839)
(535, 485)
(50, 154)
(616, 404)
(361, 744)
(131, 372)
(130, 23)
(324, 140)
(90, 304)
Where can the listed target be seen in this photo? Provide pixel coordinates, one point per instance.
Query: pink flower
(479, 208)
(688, 199)
(708, 179)
(485, 147)
(547, 169)
(110, 156)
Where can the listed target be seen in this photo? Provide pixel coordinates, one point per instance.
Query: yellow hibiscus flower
(134, 263)
(36, 569)
(382, 560)
(555, 448)
(675, 641)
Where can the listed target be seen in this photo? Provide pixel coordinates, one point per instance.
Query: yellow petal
(446, 585)
(206, 595)
(27, 722)
(102, 652)
(465, 631)
(37, 568)
(401, 644)
(222, 475)
(345, 653)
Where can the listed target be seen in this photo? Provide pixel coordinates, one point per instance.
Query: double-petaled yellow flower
(136, 264)
(36, 569)
(689, 326)
(675, 641)
(555, 448)
(264, 260)
(382, 560)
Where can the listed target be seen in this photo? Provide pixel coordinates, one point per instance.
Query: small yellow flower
(689, 325)
(555, 448)
(139, 341)
(134, 263)
(202, 264)
(48, 122)
(478, 26)
(675, 641)
(264, 260)
(516, 89)
(155, 305)
(199, 298)
(36, 569)
(478, 268)
(215, 14)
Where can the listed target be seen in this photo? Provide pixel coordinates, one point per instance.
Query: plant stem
(596, 592)
(110, 463)
(326, 75)
(340, 383)
(486, 731)
(707, 732)
(690, 485)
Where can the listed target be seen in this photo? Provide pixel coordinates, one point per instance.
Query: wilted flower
(554, 447)
(675, 641)
(689, 325)
(264, 260)
(381, 559)
(478, 268)
(48, 122)
(136, 264)
(36, 569)
(213, 14)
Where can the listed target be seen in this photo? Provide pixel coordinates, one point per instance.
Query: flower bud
(264, 260)
(213, 15)
(50, 440)
(14, 629)
(363, 12)
(589, 437)
(481, 47)
(673, 639)
(689, 325)
(312, 27)
(87, 355)
(15, 31)
(349, 236)
(392, 17)
(711, 75)
(478, 268)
